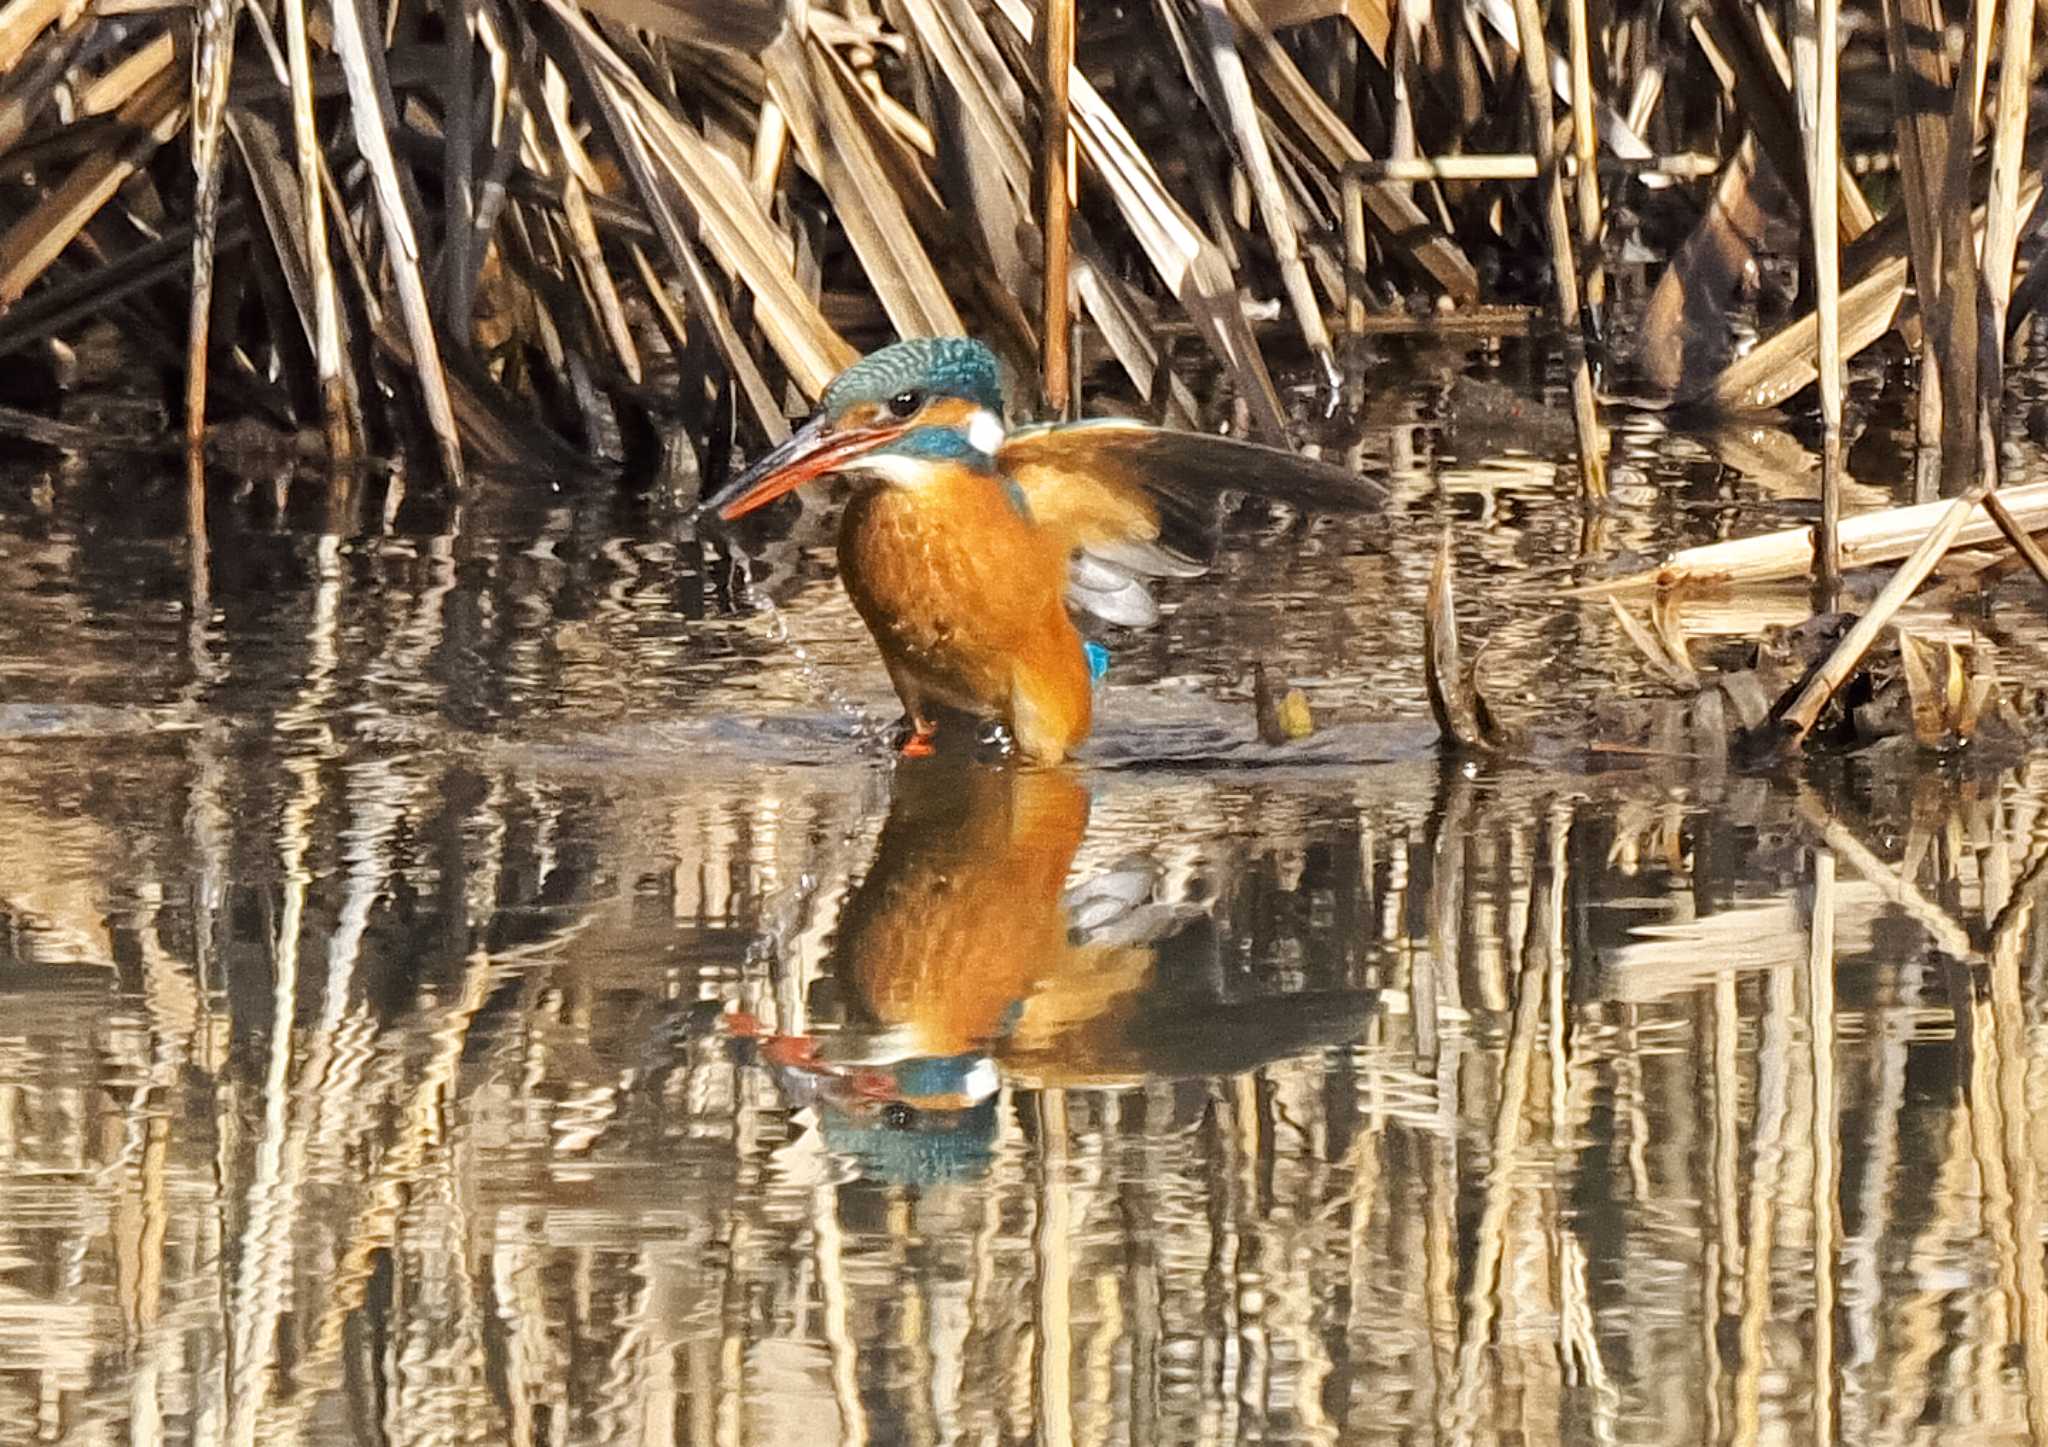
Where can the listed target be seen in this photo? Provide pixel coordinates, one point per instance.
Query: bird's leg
(917, 723)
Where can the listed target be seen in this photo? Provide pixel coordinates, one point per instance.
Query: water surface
(474, 973)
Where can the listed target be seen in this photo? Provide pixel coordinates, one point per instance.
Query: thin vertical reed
(1564, 267)
(336, 408)
(1816, 43)
(212, 65)
(1055, 149)
(1586, 148)
(2002, 216)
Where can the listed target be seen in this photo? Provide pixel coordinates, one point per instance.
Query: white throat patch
(892, 468)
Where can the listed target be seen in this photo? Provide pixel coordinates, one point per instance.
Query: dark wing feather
(1132, 502)
(1180, 475)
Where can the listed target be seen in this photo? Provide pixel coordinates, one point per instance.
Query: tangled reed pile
(540, 234)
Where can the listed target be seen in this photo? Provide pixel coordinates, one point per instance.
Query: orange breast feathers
(965, 594)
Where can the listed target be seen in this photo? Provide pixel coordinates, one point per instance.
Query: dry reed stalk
(1877, 537)
(2003, 211)
(1210, 53)
(337, 394)
(1586, 151)
(1684, 165)
(837, 148)
(21, 21)
(1186, 260)
(150, 117)
(2022, 541)
(1055, 147)
(1815, 47)
(1356, 256)
(362, 66)
(1963, 457)
(1785, 362)
(1798, 719)
(1816, 37)
(1564, 265)
(212, 65)
(1917, 68)
(1304, 110)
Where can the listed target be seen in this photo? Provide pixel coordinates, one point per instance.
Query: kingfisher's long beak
(811, 451)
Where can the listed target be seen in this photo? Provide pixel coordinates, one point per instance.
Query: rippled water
(472, 974)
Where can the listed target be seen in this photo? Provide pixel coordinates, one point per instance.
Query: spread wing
(1121, 494)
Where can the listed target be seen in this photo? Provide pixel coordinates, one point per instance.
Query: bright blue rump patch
(1098, 660)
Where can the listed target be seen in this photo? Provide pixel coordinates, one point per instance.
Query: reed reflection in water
(447, 1092)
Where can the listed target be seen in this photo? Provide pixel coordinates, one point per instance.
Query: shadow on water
(466, 983)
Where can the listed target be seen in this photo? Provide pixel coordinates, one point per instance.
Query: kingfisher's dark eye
(905, 404)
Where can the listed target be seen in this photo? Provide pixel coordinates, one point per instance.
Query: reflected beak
(812, 451)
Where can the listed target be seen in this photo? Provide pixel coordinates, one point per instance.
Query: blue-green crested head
(897, 414)
(934, 366)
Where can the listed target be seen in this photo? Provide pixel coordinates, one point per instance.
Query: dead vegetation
(552, 235)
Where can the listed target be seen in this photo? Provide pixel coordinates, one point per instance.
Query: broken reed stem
(1521, 166)
(1355, 254)
(2022, 540)
(1056, 51)
(1798, 719)
(1866, 540)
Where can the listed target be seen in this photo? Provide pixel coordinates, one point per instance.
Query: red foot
(919, 745)
(792, 1052)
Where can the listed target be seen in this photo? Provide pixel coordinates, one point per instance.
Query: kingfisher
(965, 541)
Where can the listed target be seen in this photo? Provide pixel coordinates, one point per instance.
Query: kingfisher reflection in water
(967, 957)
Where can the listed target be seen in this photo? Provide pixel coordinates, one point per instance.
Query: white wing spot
(985, 432)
